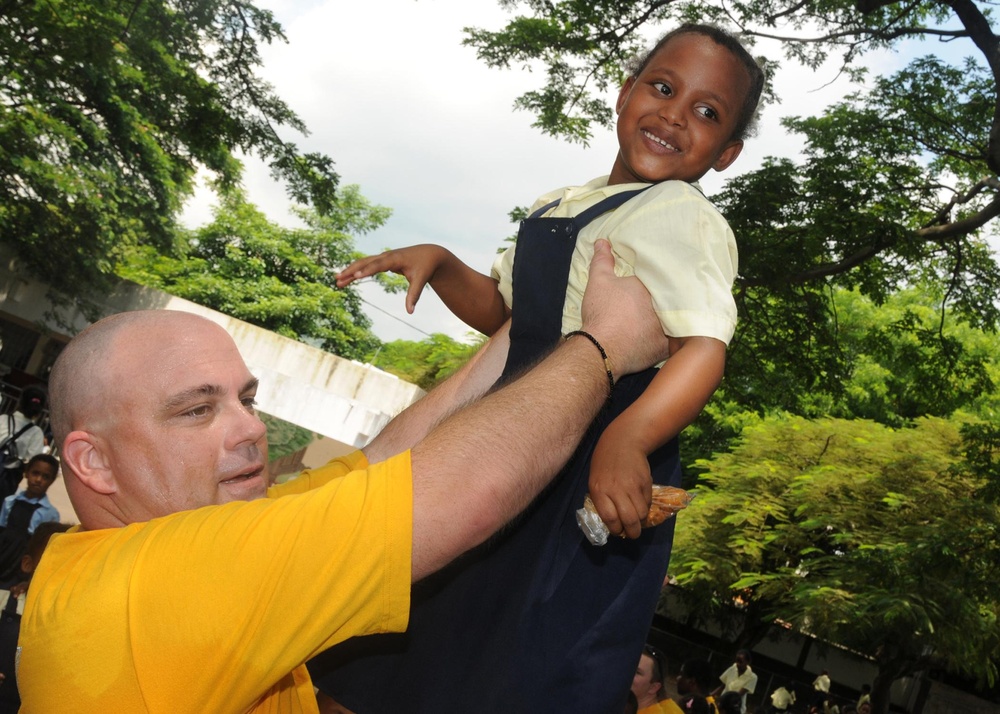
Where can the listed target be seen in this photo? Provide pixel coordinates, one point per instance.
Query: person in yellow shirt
(647, 683)
(194, 585)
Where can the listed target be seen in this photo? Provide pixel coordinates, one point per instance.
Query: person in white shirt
(29, 441)
(782, 698)
(739, 678)
(821, 687)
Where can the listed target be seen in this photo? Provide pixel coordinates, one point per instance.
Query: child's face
(40, 476)
(676, 119)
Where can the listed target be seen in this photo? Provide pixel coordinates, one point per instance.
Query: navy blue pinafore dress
(536, 619)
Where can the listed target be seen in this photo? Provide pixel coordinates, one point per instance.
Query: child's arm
(468, 384)
(471, 296)
(620, 481)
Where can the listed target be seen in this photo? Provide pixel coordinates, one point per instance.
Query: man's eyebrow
(181, 398)
(202, 391)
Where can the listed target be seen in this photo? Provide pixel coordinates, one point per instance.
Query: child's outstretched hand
(621, 486)
(417, 263)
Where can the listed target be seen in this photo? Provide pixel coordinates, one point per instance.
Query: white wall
(335, 397)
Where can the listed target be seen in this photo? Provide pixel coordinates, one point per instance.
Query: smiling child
(539, 620)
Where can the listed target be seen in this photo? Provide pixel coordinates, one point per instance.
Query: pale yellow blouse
(670, 236)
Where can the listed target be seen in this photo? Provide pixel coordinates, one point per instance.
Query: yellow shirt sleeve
(216, 609)
(314, 478)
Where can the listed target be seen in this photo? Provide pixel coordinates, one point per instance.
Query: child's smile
(676, 119)
(662, 142)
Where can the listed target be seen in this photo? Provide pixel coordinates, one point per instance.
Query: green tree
(284, 438)
(281, 279)
(859, 534)
(897, 182)
(890, 363)
(428, 362)
(907, 359)
(108, 109)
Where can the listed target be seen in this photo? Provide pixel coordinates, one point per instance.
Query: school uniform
(537, 619)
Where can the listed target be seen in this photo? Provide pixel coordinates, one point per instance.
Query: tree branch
(928, 234)
(963, 227)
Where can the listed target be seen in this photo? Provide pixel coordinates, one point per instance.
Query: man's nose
(248, 426)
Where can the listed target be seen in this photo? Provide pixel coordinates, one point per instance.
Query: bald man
(192, 585)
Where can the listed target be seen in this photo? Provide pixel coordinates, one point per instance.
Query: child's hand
(416, 263)
(621, 486)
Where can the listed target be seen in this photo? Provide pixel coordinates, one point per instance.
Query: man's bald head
(155, 413)
(79, 377)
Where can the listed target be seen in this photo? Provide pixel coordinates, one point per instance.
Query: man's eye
(250, 403)
(663, 88)
(198, 411)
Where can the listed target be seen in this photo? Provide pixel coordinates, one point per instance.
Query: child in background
(11, 607)
(783, 698)
(25, 510)
(551, 620)
(729, 703)
(39, 473)
(18, 584)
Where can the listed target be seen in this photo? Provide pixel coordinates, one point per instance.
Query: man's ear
(83, 456)
(727, 156)
(623, 94)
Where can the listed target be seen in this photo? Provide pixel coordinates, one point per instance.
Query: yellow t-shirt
(670, 236)
(217, 609)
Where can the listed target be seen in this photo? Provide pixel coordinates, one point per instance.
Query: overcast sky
(406, 112)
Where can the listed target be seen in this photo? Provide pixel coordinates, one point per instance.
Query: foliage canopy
(281, 279)
(871, 537)
(425, 363)
(106, 113)
(897, 182)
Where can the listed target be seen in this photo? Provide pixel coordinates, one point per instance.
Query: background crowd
(681, 684)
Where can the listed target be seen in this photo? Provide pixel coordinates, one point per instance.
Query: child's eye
(708, 112)
(663, 88)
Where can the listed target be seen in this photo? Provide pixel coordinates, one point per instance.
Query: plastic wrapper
(667, 501)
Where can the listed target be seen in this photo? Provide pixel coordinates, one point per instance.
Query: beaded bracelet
(604, 355)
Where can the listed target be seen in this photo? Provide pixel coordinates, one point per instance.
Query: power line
(394, 317)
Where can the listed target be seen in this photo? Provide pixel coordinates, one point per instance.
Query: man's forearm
(465, 386)
(484, 465)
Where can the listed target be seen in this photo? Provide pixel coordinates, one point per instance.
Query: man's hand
(619, 313)
(417, 264)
